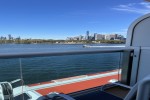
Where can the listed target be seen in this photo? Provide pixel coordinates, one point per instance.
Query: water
(40, 69)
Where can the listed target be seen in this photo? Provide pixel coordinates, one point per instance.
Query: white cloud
(140, 8)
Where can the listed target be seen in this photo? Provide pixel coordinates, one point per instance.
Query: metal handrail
(41, 54)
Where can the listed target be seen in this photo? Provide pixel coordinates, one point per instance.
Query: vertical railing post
(126, 67)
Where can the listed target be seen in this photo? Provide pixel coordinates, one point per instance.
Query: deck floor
(78, 86)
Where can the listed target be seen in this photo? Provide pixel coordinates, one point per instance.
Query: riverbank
(39, 41)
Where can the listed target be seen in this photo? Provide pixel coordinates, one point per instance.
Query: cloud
(140, 8)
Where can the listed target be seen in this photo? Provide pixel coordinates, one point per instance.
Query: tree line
(50, 41)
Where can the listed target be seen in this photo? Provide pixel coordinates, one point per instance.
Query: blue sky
(58, 19)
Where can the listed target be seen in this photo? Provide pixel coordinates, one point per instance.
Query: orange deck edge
(48, 82)
(78, 86)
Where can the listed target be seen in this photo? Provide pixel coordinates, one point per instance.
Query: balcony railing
(43, 67)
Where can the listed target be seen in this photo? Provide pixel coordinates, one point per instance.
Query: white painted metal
(144, 64)
(139, 37)
(139, 27)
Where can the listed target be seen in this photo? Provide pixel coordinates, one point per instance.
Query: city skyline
(10, 36)
(97, 36)
(55, 19)
(82, 39)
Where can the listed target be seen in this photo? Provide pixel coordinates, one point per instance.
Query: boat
(133, 83)
(84, 46)
(89, 46)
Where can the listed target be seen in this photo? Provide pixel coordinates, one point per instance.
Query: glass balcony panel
(59, 69)
(9, 69)
(41, 69)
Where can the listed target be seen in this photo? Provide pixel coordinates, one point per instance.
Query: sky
(58, 19)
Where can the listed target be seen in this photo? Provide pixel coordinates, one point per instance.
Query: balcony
(74, 73)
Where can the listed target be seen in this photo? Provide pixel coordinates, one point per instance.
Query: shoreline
(61, 43)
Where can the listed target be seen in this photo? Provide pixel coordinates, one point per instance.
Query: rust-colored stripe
(78, 86)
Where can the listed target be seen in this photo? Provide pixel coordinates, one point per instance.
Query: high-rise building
(87, 35)
(95, 36)
(9, 37)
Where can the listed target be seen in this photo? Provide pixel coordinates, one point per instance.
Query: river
(41, 69)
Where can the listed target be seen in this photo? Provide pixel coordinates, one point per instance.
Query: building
(111, 36)
(10, 37)
(87, 35)
(99, 36)
(120, 37)
(81, 37)
(69, 38)
(107, 37)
